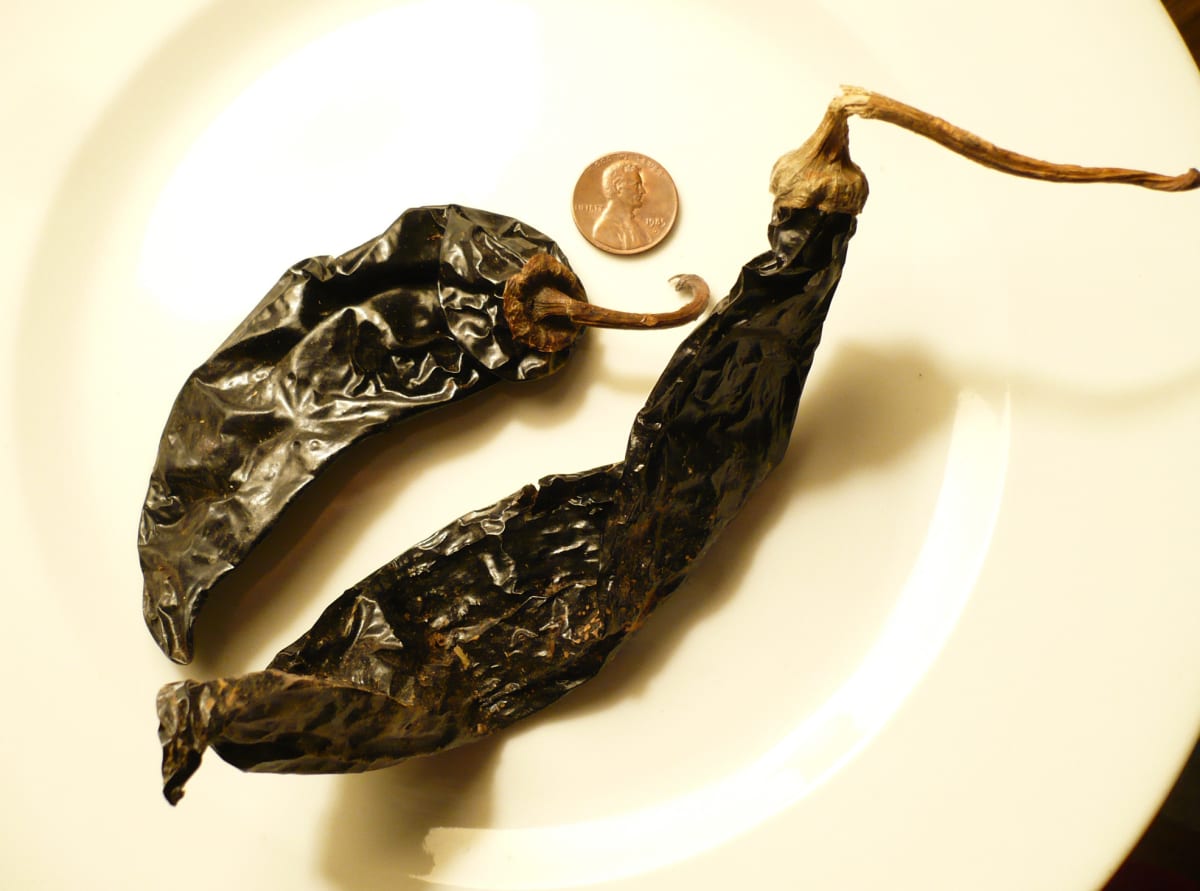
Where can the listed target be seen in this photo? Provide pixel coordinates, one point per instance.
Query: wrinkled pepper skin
(341, 348)
(436, 648)
(508, 608)
(720, 418)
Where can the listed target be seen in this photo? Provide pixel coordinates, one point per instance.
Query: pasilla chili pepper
(446, 302)
(508, 608)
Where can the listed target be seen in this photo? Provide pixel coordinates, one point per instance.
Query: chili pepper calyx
(542, 274)
(820, 174)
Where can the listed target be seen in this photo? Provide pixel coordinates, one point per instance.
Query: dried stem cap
(541, 273)
(820, 173)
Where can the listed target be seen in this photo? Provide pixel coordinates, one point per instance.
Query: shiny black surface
(506, 609)
(720, 418)
(341, 348)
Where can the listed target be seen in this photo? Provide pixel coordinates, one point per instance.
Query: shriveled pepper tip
(183, 736)
(169, 614)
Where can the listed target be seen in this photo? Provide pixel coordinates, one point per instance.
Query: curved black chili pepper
(432, 310)
(505, 610)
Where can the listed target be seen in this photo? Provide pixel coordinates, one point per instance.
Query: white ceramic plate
(950, 645)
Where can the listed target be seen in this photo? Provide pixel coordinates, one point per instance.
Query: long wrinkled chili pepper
(505, 610)
(447, 301)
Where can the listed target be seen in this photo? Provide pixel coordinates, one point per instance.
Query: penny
(625, 203)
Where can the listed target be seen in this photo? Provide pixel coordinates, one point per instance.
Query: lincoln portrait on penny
(624, 191)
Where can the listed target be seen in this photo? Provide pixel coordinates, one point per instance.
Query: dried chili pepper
(447, 301)
(505, 610)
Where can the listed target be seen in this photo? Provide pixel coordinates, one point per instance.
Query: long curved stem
(866, 104)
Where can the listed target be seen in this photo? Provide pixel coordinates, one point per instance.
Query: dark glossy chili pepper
(505, 610)
(446, 302)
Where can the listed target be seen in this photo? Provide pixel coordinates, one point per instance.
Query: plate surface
(949, 645)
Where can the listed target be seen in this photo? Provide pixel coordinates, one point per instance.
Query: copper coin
(625, 203)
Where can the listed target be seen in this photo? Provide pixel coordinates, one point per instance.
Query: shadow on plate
(375, 832)
(865, 409)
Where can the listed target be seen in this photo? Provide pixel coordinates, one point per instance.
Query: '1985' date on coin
(625, 203)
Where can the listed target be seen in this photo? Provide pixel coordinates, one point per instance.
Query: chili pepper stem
(867, 104)
(549, 302)
(546, 306)
(815, 175)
